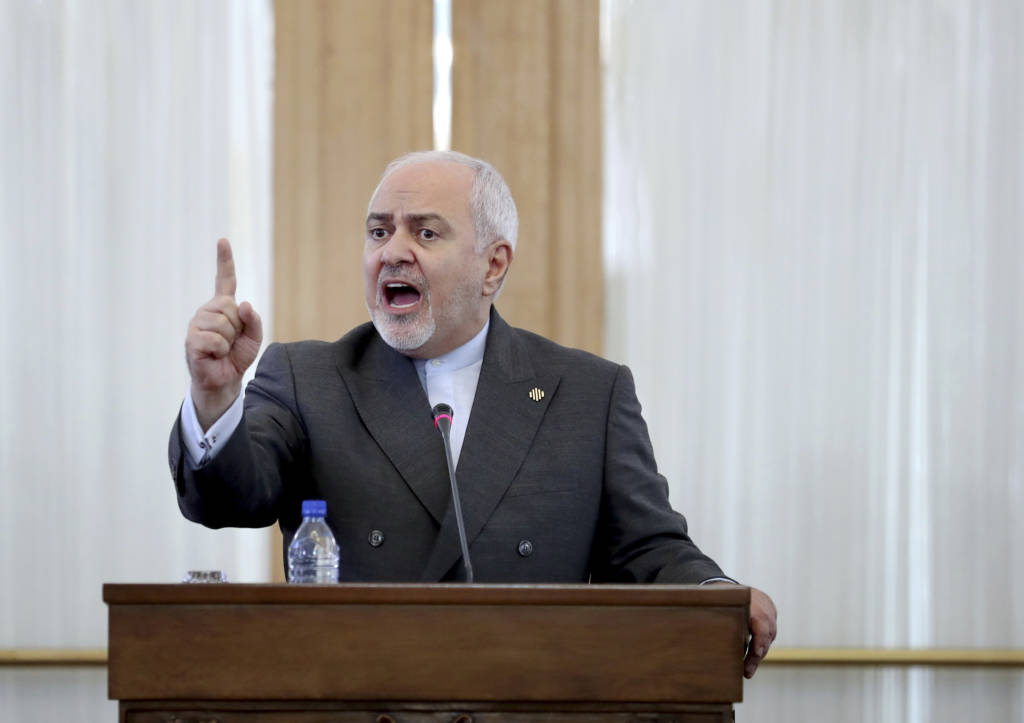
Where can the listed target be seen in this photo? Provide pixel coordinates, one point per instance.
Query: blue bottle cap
(314, 508)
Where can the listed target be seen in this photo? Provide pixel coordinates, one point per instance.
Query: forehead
(437, 186)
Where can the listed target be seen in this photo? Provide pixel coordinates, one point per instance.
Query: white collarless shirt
(451, 379)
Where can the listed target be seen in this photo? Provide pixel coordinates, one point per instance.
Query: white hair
(490, 202)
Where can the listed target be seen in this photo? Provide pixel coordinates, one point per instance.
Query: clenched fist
(223, 340)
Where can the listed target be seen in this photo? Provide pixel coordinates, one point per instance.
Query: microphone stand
(443, 422)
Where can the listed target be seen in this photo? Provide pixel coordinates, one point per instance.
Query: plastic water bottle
(313, 554)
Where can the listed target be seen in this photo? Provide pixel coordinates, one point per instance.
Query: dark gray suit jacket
(572, 474)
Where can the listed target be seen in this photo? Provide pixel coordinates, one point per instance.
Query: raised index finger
(225, 284)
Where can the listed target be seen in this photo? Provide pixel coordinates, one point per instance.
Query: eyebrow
(415, 219)
(412, 219)
(379, 217)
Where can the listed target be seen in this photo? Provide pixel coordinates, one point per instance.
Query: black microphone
(443, 421)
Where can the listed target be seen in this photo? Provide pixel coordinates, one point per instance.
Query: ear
(499, 259)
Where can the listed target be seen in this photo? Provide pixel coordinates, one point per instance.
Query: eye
(378, 234)
(427, 234)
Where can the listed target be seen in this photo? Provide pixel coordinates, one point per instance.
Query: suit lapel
(502, 426)
(386, 391)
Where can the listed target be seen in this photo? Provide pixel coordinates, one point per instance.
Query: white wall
(132, 136)
(814, 267)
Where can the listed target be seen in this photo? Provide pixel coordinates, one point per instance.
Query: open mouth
(399, 295)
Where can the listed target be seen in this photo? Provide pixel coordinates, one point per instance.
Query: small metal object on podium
(205, 576)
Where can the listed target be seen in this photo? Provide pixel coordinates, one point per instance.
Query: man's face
(424, 280)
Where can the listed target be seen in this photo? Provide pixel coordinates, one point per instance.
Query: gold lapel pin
(536, 394)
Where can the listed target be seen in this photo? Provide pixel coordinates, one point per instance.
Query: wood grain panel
(353, 89)
(395, 712)
(582, 644)
(526, 97)
(392, 652)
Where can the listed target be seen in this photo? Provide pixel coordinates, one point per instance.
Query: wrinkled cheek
(371, 270)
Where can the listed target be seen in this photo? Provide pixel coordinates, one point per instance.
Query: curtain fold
(813, 256)
(133, 136)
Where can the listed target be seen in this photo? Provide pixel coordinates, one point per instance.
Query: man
(557, 475)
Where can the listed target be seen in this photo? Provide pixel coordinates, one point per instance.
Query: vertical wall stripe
(527, 97)
(353, 89)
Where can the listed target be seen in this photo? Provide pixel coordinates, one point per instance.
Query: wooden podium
(383, 653)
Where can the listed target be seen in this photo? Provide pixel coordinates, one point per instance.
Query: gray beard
(403, 333)
(409, 332)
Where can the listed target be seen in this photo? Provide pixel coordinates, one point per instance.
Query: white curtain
(815, 268)
(132, 136)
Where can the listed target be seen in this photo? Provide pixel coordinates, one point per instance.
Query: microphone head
(443, 417)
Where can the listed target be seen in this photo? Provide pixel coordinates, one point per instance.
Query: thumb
(252, 324)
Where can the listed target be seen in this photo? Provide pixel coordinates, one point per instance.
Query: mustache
(401, 272)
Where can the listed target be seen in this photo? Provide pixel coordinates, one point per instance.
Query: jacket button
(375, 538)
(525, 548)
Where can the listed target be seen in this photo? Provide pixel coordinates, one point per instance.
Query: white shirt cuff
(202, 446)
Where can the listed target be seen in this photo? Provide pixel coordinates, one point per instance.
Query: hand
(762, 630)
(223, 340)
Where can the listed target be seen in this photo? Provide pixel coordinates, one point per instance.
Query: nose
(398, 249)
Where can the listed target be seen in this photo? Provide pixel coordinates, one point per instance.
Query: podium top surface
(436, 594)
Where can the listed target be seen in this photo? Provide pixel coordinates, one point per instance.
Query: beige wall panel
(577, 286)
(526, 97)
(353, 89)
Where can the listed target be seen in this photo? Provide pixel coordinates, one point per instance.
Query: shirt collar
(460, 357)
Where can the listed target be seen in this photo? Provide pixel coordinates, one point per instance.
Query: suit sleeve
(640, 537)
(244, 484)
